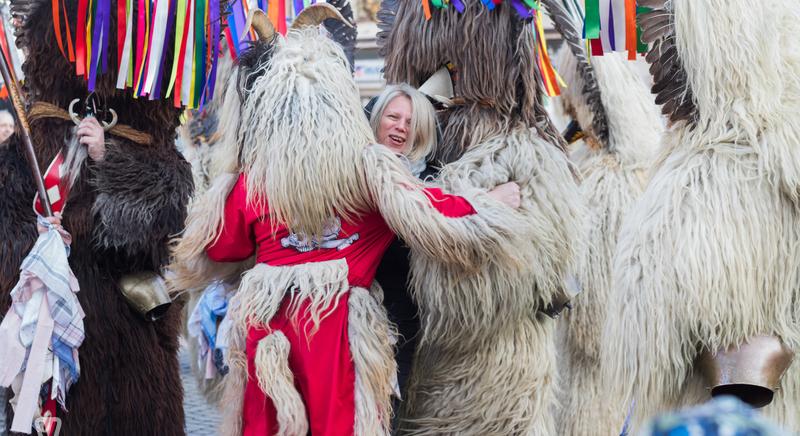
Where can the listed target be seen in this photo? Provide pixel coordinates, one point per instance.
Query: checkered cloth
(43, 329)
(723, 416)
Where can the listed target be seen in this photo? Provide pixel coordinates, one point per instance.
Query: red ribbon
(80, 43)
(57, 25)
(121, 29)
(140, 31)
(70, 50)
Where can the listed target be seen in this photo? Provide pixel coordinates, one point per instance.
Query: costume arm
(236, 239)
(141, 200)
(441, 226)
(451, 206)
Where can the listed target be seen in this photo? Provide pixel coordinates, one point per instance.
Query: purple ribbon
(239, 20)
(160, 75)
(611, 37)
(523, 11)
(213, 15)
(100, 25)
(106, 32)
(298, 6)
(459, 5)
(140, 88)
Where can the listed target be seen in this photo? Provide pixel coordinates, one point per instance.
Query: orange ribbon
(426, 7)
(630, 28)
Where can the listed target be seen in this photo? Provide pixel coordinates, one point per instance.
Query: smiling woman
(403, 120)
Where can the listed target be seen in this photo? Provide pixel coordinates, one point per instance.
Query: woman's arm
(472, 231)
(236, 241)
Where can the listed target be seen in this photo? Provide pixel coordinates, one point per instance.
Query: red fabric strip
(80, 43)
(57, 25)
(121, 29)
(70, 50)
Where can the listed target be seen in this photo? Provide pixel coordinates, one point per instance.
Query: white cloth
(45, 318)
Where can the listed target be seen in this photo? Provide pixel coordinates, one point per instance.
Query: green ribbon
(439, 4)
(199, 50)
(641, 47)
(592, 19)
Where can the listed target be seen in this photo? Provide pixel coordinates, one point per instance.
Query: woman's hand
(508, 194)
(90, 133)
(54, 220)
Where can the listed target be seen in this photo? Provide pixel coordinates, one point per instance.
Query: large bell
(147, 293)
(751, 371)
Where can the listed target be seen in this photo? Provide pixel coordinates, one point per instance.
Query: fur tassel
(277, 381)
(234, 383)
(264, 287)
(370, 334)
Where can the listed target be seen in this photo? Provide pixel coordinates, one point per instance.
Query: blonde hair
(423, 121)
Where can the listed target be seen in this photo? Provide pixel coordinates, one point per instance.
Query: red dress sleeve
(451, 206)
(237, 239)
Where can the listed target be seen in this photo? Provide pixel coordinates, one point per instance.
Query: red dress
(322, 366)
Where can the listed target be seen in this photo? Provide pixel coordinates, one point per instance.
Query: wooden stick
(25, 131)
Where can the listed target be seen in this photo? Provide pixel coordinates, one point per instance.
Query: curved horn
(261, 24)
(109, 126)
(315, 14)
(72, 115)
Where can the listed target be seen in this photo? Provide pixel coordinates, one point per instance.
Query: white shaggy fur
(370, 334)
(276, 380)
(708, 256)
(304, 102)
(613, 177)
(324, 284)
(486, 361)
(470, 241)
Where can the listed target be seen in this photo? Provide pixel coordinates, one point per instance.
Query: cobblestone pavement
(2, 412)
(201, 419)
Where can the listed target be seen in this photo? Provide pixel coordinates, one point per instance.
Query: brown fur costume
(486, 361)
(120, 212)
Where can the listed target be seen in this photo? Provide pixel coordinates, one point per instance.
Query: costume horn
(315, 14)
(261, 24)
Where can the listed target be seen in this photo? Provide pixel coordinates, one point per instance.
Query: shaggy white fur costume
(709, 255)
(305, 146)
(486, 361)
(614, 175)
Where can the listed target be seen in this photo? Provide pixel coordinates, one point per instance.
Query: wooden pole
(25, 131)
